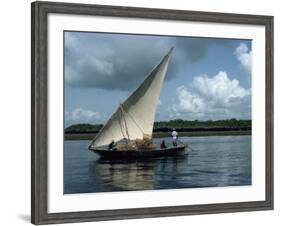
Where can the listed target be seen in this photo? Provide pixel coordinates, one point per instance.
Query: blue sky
(207, 78)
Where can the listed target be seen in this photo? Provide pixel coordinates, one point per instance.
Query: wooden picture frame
(39, 108)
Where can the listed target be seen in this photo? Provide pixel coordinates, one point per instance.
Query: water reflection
(128, 175)
(215, 162)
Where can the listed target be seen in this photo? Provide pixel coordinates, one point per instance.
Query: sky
(207, 78)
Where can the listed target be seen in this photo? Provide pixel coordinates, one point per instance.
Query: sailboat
(134, 119)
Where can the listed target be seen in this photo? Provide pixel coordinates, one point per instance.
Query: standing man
(175, 136)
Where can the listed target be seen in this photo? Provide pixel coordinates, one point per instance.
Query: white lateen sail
(135, 117)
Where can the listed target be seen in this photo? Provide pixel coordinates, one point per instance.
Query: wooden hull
(136, 154)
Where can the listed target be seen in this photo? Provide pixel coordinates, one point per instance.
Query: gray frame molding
(39, 106)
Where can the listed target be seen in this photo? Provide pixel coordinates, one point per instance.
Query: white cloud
(214, 97)
(244, 56)
(103, 67)
(80, 115)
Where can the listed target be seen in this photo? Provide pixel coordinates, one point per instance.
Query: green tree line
(179, 124)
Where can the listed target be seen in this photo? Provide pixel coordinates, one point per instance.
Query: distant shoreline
(91, 135)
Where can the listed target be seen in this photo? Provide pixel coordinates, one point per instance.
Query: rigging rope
(120, 124)
(132, 119)
(126, 127)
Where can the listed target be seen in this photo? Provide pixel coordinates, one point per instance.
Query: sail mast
(138, 110)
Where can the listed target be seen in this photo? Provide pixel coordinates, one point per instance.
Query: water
(215, 161)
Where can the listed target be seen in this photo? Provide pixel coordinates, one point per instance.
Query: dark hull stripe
(115, 154)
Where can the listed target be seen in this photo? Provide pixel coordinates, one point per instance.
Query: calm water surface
(215, 161)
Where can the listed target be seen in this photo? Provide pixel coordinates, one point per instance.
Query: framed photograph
(140, 112)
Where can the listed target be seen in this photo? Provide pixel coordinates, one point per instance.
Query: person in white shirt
(175, 136)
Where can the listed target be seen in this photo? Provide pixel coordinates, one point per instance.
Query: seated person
(111, 145)
(163, 145)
